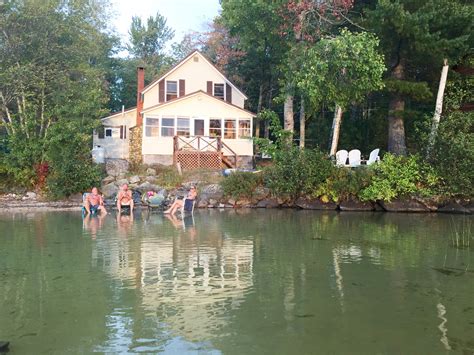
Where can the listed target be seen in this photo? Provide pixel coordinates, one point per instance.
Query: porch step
(227, 162)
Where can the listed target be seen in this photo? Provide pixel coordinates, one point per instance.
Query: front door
(198, 127)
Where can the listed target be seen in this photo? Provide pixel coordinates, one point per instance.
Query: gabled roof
(118, 113)
(189, 56)
(163, 104)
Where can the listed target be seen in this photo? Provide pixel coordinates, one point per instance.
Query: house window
(215, 127)
(171, 90)
(183, 127)
(108, 132)
(244, 129)
(167, 127)
(152, 127)
(219, 91)
(229, 129)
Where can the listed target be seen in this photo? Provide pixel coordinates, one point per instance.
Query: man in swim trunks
(94, 202)
(124, 198)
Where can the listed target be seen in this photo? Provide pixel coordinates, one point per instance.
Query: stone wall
(135, 155)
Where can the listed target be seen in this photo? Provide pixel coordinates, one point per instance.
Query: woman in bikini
(192, 194)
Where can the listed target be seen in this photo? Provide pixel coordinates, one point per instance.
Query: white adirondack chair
(354, 158)
(341, 157)
(373, 157)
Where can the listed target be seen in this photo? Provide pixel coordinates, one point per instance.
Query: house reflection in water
(189, 277)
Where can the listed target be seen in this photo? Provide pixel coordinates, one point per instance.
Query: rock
(261, 192)
(399, 205)
(146, 186)
(470, 206)
(314, 204)
(110, 190)
(120, 182)
(151, 179)
(76, 197)
(108, 180)
(115, 167)
(244, 202)
(30, 195)
(134, 179)
(454, 207)
(221, 205)
(356, 205)
(202, 204)
(212, 191)
(268, 203)
(150, 171)
(212, 201)
(231, 201)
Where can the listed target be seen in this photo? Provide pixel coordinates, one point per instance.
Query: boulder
(150, 171)
(243, 202)
(400, 205)
(212, 191)
(75, 197)
(314, 204)
(231, 201)
(30, 195)
(454, 207)
(110, 190)
(268, 203)
(356, 205)
(120, 182)
(202, 204)
(115, 167)
(151, 179)
(134, 179)
(212, 201)
(108, 180)
(261, 192)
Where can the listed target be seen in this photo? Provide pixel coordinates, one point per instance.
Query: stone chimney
(140, 86)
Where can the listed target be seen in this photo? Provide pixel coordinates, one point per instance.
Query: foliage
(343, 69)
(70, 162)
(453, 154)
(168, 177)
(265, 145)
(240, 184)
(344, 184)
(297, 172)
(396, 177)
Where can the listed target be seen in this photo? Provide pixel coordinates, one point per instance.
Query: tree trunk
(396, 128)
(289, 122)
(439, 105)
(302, 124)
(269, 106)
(259, 108)
(336, 127)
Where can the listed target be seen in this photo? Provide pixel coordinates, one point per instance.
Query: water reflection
(234, 282)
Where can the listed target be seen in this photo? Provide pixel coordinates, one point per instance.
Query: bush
(240, 184)
(71, 168)
(397, 176)
(168, 177)
(453, 154)
(344, 184)
(297, 172)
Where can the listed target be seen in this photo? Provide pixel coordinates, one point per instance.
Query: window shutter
(121, 132)
(161, 91)
(209, 87)
(182, 87)
(100, 132)
(228, 93)
(124, 132)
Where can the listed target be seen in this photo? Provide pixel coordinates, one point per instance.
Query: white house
(192, 114)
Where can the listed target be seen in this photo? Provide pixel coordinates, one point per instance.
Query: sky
(182, 15)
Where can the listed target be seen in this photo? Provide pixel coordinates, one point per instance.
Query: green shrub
(344, 184)
(240, 184)
(453, 154)
(397, 176)
(297, 172)
(168, 177)
(71, 168)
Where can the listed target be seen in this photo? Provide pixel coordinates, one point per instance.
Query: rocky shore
(211, 195)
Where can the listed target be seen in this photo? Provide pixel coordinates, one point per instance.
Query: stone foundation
(152, 159)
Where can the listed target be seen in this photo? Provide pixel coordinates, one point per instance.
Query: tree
(416, 37)
(53, 59)
(341, 71)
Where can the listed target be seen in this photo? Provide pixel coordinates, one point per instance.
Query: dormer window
(171, 90)
(219, 91)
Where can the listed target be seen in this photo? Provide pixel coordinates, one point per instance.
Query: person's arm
(119, 196)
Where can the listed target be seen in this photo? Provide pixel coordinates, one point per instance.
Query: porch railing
(203, 152)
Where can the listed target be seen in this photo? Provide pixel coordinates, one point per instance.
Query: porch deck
(202, 152)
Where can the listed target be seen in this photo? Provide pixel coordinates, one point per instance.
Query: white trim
(190, 56)
(163, 104)
(214, 92)
(121, 113)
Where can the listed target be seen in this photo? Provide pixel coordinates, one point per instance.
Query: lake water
(237, 282)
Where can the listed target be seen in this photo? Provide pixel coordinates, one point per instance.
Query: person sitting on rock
(94, 202)
(124, 198)
(179, 203)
